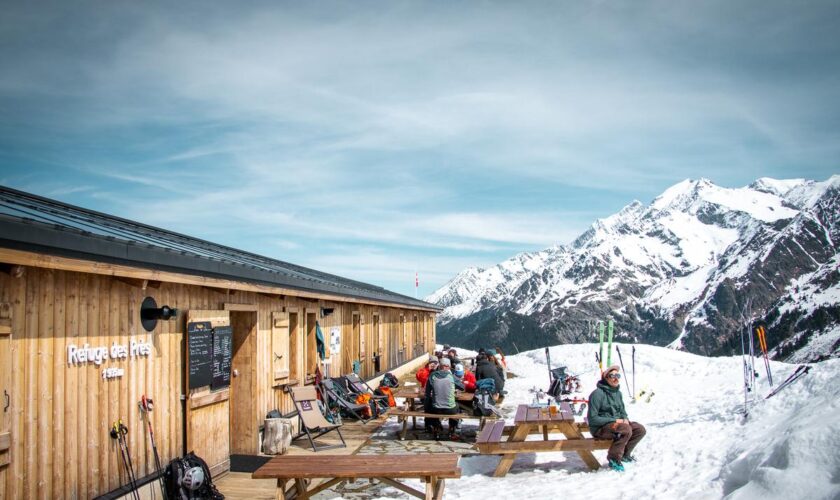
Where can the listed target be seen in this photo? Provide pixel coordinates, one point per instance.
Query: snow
(698, 443)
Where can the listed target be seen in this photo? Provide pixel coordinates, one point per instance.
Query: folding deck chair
(345, 400)
(312, 422)
(361, 387)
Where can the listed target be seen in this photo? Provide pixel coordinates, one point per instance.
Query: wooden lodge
(75, 354)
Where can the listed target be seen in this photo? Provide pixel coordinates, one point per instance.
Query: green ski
(609, 343)
(601, 346)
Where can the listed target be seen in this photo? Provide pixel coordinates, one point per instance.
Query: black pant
(436, 424)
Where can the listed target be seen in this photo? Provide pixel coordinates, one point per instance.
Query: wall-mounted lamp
(150, 313)
(326, 311)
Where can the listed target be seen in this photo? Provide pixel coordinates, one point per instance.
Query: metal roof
(33, 223)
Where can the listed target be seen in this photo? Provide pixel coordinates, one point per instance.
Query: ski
(609, 343)
(601, 346)
(762, 343)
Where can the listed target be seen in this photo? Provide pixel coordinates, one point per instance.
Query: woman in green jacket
(608, 420)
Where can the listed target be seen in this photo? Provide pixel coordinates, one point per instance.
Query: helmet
(193, 478)
(459, 370)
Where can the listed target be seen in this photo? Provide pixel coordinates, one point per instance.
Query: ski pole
(624, 372)
(801, 370)
(634, 373)
(146, 405)
(744, 373)
(124, 435)
(118, 432)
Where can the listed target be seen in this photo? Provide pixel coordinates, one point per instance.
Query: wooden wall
(60, 415)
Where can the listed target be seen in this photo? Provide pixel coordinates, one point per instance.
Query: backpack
(385, 390)
(558, 382)
(486, 384)
(483, 405)
(389, 380)
(188, 478)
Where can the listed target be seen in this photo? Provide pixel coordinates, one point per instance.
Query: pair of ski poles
(119, 432)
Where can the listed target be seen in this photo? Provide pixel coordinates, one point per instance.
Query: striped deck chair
(312, 421)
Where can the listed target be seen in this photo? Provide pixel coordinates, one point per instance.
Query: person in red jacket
(466, 376)
(423, 373)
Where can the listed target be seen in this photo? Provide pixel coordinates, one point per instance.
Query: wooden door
(244, 422)
(359, 339)
(6, 389)
(208, 412)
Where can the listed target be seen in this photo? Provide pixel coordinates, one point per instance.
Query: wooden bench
(403, 415)
(433, 469)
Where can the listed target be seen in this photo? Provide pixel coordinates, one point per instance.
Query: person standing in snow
(608, 420)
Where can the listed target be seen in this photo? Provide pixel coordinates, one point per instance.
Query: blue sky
(373, 139)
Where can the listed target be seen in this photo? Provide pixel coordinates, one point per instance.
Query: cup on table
(552, 410)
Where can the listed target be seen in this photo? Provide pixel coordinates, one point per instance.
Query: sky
(374, 140)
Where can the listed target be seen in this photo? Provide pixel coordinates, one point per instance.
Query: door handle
(8, 401)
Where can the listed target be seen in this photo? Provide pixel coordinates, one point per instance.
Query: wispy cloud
(449, 133)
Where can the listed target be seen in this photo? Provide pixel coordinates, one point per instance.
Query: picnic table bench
(403, 415)
(530, 421)
(433, 469)
(414, 396)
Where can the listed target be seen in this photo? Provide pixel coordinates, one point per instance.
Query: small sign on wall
(335, 340)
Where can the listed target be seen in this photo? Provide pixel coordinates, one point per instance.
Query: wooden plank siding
(60, 414)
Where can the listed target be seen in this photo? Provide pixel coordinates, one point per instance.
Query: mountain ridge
(680, 271)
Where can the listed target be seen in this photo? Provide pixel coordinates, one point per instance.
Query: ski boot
(616, 466)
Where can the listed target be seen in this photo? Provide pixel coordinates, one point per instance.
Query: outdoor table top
(410, 392)
(441, 465)
(540, 416)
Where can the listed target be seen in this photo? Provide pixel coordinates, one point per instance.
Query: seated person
(608, 420)
(484, 368)
(423, 373)
(440, 398)
(465, 376)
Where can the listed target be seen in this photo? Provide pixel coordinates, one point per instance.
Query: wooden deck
(240, 486)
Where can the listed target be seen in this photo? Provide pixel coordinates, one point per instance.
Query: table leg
(520, 432)
(300, 486)
(545, 432)
(571, 431)
(439, 489)
(281, 490)
(430, 488)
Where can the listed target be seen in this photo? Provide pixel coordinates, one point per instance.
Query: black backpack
(389, 380)
(174, 480)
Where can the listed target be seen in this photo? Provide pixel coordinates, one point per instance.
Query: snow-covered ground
(698, 444)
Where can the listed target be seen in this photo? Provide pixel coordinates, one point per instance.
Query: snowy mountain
(683, 271)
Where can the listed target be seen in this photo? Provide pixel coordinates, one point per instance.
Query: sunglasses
(614, 376)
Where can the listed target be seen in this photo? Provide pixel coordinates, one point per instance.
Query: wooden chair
(312, 421)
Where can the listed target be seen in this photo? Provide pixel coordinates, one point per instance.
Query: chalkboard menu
(200, 345)
(222, 350)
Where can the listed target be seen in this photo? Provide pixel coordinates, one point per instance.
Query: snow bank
(698, 445)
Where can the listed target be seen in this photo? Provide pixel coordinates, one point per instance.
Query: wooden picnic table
(528, 420)
(413, 395)
(433, 469)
